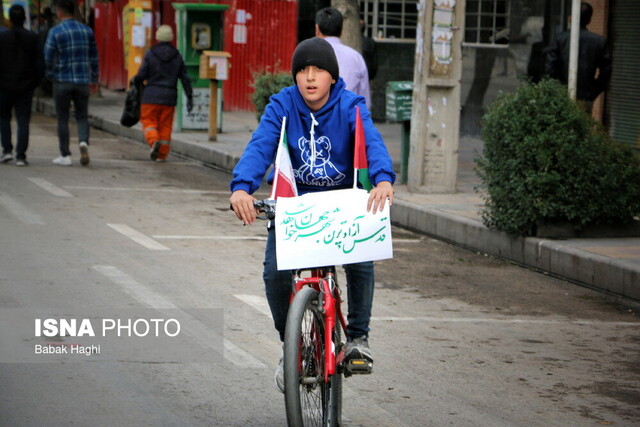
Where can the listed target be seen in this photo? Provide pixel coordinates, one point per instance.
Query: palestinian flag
(360, 164)
(284, 183)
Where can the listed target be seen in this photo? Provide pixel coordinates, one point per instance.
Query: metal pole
(405, 141)
(574, 48)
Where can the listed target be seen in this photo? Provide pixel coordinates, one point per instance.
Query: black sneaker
(355, 357)
(6, 158)
(22, 162)
(358, 348)
(155, 150)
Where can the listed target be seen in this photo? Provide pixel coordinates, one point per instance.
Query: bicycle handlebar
(267, 207)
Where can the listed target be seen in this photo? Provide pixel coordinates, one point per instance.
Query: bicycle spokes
(311, 368)
(312, 398)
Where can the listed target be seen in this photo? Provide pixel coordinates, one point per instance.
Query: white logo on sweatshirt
(317, 170)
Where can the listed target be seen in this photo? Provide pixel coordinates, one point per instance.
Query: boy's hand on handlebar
(242, 205)
(378, 196)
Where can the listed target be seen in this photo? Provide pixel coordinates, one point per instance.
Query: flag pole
(355, 151)
(277, 162)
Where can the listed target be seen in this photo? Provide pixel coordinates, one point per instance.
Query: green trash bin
(399, 99)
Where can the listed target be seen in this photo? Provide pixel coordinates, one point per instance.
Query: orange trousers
(157, 124)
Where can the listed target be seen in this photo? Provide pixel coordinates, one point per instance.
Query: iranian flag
(284, 184)
(360, 164)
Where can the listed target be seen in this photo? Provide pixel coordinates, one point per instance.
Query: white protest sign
(330, 228)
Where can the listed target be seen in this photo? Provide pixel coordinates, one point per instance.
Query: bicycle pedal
(358, 367)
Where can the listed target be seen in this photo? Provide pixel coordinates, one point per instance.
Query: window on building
(390, 19)
(487, 23)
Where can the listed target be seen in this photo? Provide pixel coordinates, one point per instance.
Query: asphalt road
(459, 338)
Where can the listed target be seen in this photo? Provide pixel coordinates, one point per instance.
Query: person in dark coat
(3, 24)
(21, 69)
(593, 56)
(369, 52)
(161, 67)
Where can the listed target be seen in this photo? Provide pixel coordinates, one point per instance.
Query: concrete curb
(595, 271)
(573, 264)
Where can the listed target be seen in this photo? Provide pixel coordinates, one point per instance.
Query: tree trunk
(351, 31)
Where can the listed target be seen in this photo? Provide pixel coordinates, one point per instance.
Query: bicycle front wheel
(308, 398)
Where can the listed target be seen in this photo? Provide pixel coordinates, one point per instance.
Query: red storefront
(258, 34)
(108, 34)
(263, 36)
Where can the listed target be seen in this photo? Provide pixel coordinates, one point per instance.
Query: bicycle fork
(329, 300)
(328, 313)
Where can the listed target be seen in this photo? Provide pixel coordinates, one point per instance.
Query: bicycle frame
(322, 280)
(302, 373)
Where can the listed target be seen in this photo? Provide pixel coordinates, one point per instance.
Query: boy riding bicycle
(318, 109)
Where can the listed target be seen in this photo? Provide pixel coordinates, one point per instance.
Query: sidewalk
(608, 264)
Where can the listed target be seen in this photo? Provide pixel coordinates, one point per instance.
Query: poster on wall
(138, 36)
(198, 118)
(442, 35)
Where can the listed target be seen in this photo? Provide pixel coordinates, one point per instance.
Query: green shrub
(266, 83)
(545, 161)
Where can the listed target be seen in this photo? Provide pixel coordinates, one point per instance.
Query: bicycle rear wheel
(309, 400)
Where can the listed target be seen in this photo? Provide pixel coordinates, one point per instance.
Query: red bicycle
(313, 339)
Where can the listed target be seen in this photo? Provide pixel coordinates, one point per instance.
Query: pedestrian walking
(3, 24)
(161, 67)
(45, 23)
(369, 52)
(21, 69)
(71, 62)
(353, 68)
(594, 60)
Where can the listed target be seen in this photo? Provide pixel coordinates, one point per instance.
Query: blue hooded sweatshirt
(328, 163)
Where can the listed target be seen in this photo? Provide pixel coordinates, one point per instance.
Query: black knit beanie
(318, 52)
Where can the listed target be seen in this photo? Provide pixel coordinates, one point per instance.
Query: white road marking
(406, 240)
(239, 357)
(219, 237)
(138, 237)
(260, 238)
(20, 211)
(182, 237)
(123, 161)
(499, 320)
(47, 186)
(260, 304)
(135, 289)
(150, 298)
(149, 190)
(257, 302)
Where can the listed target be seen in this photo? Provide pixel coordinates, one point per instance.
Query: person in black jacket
(369, 52)
(21, 69)
(161, 67)
(593, 56)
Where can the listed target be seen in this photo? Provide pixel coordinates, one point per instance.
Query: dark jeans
(63, 94)
(21, 102)
(278, 286)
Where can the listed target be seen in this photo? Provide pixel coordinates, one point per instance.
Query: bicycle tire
(309, 401)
